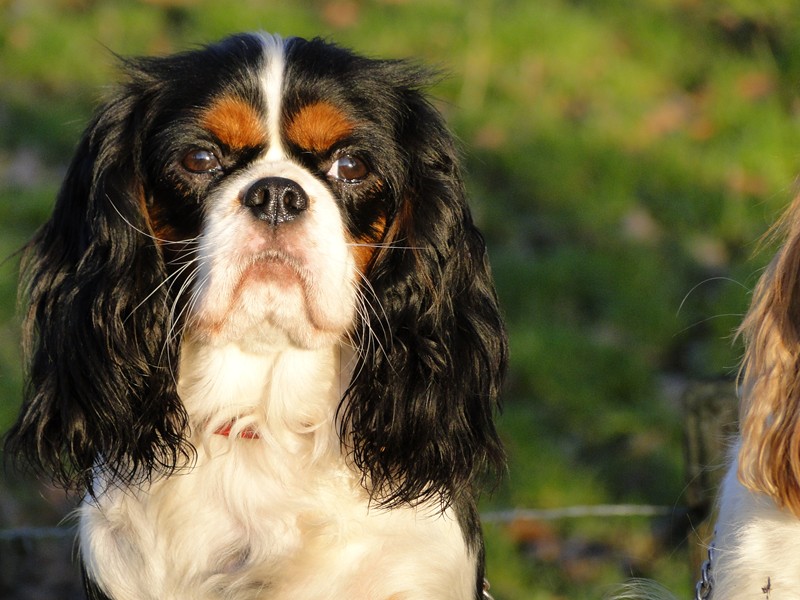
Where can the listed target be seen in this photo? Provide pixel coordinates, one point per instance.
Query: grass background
(623, 160)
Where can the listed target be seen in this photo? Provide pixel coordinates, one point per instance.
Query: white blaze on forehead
(272, 85)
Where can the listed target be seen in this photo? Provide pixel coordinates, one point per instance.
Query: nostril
(294, 199)
(276, 200)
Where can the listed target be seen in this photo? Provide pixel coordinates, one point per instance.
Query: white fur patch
(282, 516)
(272, 84)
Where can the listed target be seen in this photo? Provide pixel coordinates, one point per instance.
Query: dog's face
(271, 180)
(265, 193)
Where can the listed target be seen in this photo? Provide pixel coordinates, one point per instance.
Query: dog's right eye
(201, 161)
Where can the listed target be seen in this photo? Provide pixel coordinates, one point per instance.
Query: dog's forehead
(294, 93)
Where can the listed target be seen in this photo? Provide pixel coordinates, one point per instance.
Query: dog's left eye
(349, 168)
(201, 161)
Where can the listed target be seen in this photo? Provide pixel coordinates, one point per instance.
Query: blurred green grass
(623, 160)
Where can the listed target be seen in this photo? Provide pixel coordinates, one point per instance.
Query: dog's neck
(290, 395)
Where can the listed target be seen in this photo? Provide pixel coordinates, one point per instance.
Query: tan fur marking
(365, 247)
(318, 126)
(235, 123)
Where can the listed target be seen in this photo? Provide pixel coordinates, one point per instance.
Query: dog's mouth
(270, 297)
(276, 268)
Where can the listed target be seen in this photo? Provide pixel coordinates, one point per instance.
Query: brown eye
(201, 161)
(348, 168)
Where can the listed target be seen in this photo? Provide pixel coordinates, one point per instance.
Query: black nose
(276, 200)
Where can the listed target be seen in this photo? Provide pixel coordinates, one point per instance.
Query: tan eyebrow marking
(235, 123)
(318, 126)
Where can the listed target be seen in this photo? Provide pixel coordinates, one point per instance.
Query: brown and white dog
(757, 542)
(756, 547)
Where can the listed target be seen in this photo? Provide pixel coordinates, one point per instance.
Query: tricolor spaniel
(262, 334)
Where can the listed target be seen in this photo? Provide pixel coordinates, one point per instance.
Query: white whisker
(705, 281)
(390, 245)
(367, 304)
(145, 233)
(170, 279)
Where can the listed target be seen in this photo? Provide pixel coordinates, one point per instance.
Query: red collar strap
(248, 433)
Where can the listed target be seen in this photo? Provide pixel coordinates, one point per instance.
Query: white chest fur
(283, 516)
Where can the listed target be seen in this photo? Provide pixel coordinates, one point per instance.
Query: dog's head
(268, 193)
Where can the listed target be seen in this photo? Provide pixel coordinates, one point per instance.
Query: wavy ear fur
(100, 391)
(769, 456)
(421, 406)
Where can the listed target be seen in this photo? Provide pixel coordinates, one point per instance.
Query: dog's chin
(273, 310)
(267, 335)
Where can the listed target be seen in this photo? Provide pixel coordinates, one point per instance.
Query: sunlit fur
(757, 534)
(758, 531)
(769, 456)
(346, 339)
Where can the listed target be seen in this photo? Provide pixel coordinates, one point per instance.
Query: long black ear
(421, 407)
(100, 392)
